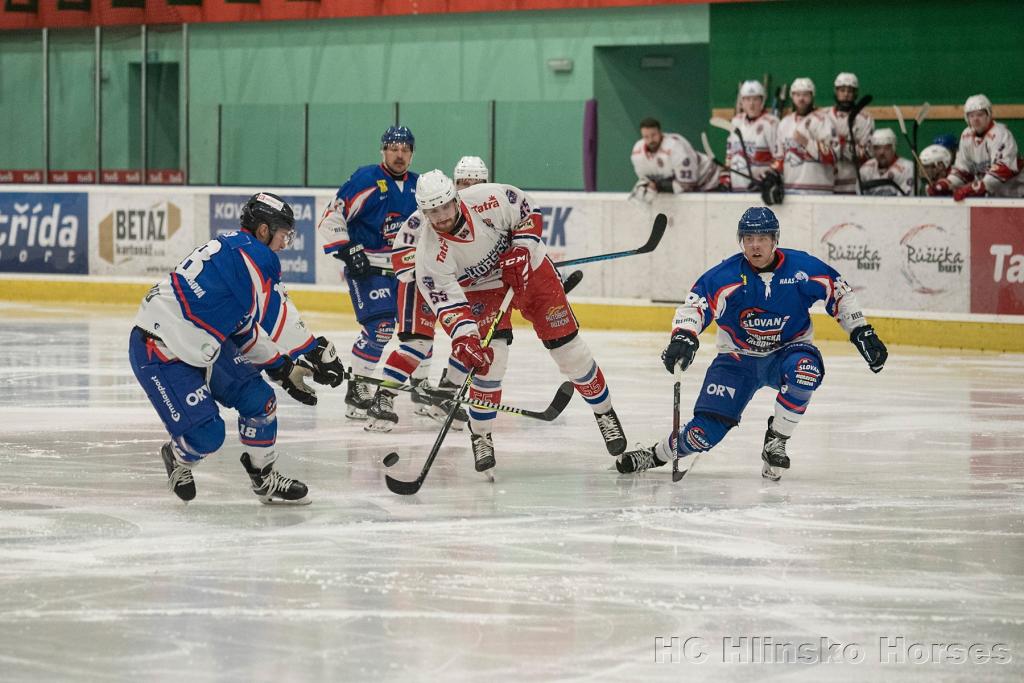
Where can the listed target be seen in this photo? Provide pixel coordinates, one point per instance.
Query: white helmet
(434, 189)
(846, 79)
(752, 89)
(883, 136)
(802, 85)
(471, 168)
(936, 154)
(977, 103)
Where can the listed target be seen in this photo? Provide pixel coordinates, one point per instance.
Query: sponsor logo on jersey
(409, 258)
(44, 232)
(490, 203)
(382, 185)
(763, 328)
(849, 243)
(477, 309)
(449, 319)
(512, 196)
(697, 440)
(931, 265)
(443, 252)
(807, 371)
(799, 276)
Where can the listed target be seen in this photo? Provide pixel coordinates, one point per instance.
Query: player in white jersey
(851, 151)
(759, 130)
(483, 241)
(886, 175)
(936, 161)
(804, 153)
(416, 323)
(667, 162)
(986, 162)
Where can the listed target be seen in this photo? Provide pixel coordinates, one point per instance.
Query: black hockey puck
(390, 459)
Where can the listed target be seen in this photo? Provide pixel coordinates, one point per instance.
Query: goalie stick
(408, 488)
(561, 399)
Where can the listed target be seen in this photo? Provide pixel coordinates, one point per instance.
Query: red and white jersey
(760, 138)
(900, 172)
(808, 166)
(497, 218)
(991, 157)
(846, 152)
(403, 250)
(676, 158)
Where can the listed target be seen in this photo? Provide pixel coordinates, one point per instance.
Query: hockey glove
(324, 363)
(467, 350)
(724, 183)
(680, 351)
(939, 188)
(515, 268)
(870, 346)
(356, 263)
(975, 189)
(771, 188)
(291, 378)
(643, 192)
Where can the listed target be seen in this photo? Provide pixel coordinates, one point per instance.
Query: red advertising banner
(22, 14)
(997, 260)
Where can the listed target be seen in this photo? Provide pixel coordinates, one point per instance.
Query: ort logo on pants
(382, 293)
(720, 390)
(197, 396)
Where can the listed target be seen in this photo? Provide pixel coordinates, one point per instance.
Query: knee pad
(574, 359)
(802, 374)
(255, 398)
(702, 433)
(561, 341)
(201, 440)
(374, 336)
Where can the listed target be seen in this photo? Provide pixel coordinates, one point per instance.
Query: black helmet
(264, 207)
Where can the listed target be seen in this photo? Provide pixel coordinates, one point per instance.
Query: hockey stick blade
(922, 113)
(570, 282)
(657, 231)
(677, 475)
(402, 488)
(719, 122)
(899, 118)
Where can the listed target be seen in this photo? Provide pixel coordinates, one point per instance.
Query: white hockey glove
(643, 192)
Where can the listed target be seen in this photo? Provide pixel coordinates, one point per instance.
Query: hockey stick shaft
(676, 476)
(657, 231)
(913, 150)
(719, 122)
(711, 155)
(408, 488)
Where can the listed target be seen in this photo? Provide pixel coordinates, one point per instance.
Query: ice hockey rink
(892, 550)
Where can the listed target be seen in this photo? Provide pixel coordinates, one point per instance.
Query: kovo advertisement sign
(899, 257)
(140, 234)
(44, 232)
(298, 260)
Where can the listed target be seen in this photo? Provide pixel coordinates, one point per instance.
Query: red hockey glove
(975, 189)
(939, 188)
(515, 268)
(467, 350)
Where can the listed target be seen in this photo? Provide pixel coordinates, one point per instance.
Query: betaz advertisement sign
(997, 260)
(140, 234)
(44, 232)
(297, 261)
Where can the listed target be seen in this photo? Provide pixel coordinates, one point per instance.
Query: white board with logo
(141, 234)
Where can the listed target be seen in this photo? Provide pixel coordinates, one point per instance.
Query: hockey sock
(456, 372)
(488, 388)
(403, 362)
(577, 363)
(701, 433)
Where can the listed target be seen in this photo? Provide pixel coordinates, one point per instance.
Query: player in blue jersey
(358, 227)
(203, 334)
(760, 299)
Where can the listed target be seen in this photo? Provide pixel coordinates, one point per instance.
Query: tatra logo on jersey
(491, 203)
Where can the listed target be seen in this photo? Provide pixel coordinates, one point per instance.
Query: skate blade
(355, 413)
(379, 426)
(422, 409)
(770, 473)
(305, 500)
(488, 475)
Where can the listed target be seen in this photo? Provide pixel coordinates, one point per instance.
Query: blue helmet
(947, 140)
(758, 220)
(398, 135)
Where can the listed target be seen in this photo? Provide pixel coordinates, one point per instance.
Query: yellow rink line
(972, 334)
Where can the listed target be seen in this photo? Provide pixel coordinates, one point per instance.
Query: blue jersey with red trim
(228, 288)
(374, 205)
(758, 313)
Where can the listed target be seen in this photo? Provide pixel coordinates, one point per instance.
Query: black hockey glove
(870, 346)
(355, 260)
(680, 351)
(292, 377)
(324, 363)
(771, 188)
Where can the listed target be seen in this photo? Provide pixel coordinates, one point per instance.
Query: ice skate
(272, 488)
(611, 431)
(483, 454)
(357, 400)
(440, 412)
(179, 475)
(381, 416)
(773, 455)
(421, 388)
(639, 460)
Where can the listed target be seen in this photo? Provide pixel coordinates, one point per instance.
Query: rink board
(930, 271)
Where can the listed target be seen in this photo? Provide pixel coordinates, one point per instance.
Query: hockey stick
(869, 185)
(657, 231)
(851, 120)
(711, 155)
(719, 122)
(408, 488)
(570, 282)
(913, 149)
(676, 474)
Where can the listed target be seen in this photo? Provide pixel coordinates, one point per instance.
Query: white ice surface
(901, 516)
